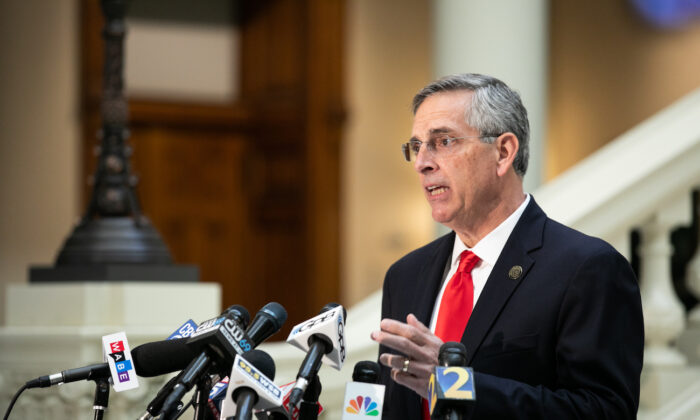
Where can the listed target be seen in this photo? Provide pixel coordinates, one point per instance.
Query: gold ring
(406, 361)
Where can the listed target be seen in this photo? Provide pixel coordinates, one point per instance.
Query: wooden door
(249, 190)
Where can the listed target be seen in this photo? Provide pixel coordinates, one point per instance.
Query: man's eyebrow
(434, 131)
(440, 130)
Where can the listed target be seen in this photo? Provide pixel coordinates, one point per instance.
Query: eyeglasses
(439, 146)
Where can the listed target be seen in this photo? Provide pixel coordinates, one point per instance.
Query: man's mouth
(436, 190)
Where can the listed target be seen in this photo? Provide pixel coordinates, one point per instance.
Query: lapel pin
(515, 272)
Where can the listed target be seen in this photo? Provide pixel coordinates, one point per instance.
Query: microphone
(150, 359)
(161, 357)
(364, 396)
(251, 386)
(156, 365)
(366, 371)
(451, 387)
(323, 338)
(266, 322)
(156, 403)
(218, 341)
(89, 372)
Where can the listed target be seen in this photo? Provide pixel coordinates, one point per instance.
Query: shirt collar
(489, 248)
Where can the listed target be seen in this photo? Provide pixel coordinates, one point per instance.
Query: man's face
(462, 185)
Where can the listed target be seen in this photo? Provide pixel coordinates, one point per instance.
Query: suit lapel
(430, 278)
(526, 236)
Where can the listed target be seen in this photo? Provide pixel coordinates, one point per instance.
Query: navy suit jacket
(565, 340)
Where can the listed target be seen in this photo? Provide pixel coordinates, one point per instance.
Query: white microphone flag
(329, 324)
(363, 401)
(118, 354)
(244, 374)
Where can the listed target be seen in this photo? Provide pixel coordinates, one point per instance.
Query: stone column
(507, 40)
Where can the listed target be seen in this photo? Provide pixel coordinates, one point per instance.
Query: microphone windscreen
(161, 357)
(332, 305)
(277, 313)
(366, 371)
(239, 313)
(267, 321)
(262, 361)
(452, 353)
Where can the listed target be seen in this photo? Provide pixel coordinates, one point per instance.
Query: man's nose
(425, 161)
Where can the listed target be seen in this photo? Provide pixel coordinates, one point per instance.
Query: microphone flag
(450, 386)
(329, 324)
(118, 355)
(363, 401)
(185, 330)
(244, 374)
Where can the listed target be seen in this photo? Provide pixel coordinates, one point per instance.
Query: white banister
(664, 315)
(624, 183)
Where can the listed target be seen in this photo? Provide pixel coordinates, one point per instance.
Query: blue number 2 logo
(455, 390)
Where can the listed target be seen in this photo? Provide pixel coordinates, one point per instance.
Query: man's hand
(418, 343)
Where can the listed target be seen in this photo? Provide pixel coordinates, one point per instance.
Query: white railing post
(689, 341)
(664, 315)
(692, 280)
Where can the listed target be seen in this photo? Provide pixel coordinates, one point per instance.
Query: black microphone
(156, 404)
(452, 353)
(267, 321)
(156, 365)
(366, 371)
(450, 397)
(246, 397)
(219, 340)
(150, 359)
(90, 372)
(321, 335)
(364, 396)
(161, 357)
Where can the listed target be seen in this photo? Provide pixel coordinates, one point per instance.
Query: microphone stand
(308, 410)
(101, 397)
(201, 397)
(308, 407)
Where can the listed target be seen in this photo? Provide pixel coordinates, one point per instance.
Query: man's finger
(393, 361)
(418, 385)
(414, 322)
(413, 367)
(403, 345)
(412, 333)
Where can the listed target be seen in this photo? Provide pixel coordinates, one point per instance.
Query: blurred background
(266, 134)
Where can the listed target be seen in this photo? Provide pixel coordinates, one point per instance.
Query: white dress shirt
(488, 249)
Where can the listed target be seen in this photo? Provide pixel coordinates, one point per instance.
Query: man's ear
(507, 146)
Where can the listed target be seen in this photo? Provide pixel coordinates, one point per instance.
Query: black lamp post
(114, 240)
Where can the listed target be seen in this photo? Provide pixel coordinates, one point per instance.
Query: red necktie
(457, 300)
(455, 306)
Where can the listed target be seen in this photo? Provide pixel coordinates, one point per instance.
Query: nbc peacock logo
(362, 405)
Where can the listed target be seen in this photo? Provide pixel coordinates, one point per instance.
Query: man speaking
(551, 318)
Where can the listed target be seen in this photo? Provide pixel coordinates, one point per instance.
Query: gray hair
(495, 109)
